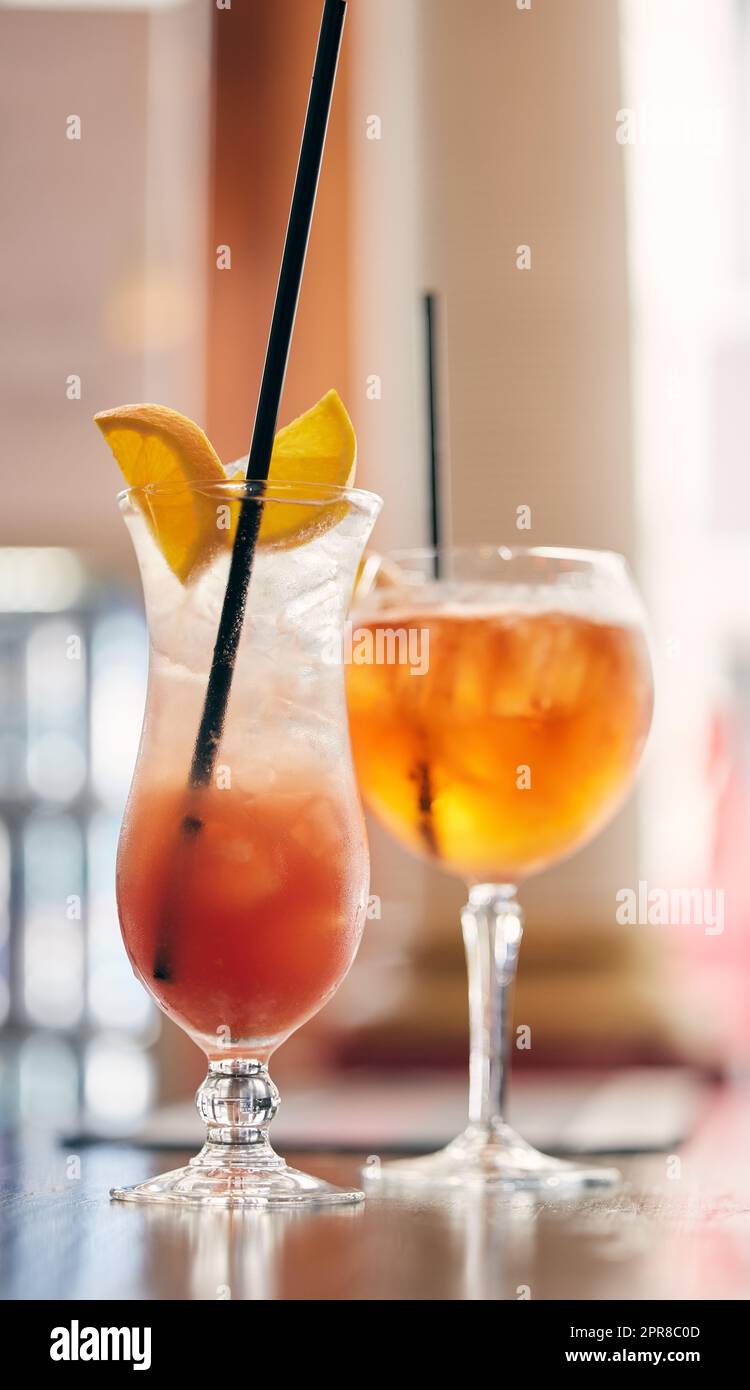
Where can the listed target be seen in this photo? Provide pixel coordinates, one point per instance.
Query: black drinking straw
(421, 774)
(259, 458)
(272, 382)
(433, 427)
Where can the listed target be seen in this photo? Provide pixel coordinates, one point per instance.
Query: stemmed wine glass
(499, 702)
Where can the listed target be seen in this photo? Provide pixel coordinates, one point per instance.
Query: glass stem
(237, 1101)
(492, 924)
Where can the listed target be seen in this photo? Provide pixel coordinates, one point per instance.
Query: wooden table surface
(679, 1228)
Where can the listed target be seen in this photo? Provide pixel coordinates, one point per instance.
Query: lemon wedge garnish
(318, 447)
(153, 444)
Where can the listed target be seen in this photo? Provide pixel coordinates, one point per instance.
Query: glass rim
(483, 550)
(292, 493)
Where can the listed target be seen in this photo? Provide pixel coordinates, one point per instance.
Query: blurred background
(572, 180)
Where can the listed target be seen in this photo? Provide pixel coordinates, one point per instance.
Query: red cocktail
(242, 899)
(265, 907)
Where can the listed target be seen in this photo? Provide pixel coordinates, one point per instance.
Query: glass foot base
(239, 1180)
(496, 1159)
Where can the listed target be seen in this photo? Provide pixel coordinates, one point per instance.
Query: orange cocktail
(510, 748)
(499, 701)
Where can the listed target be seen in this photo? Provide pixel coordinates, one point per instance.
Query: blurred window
(72, 681)
(688, 175)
